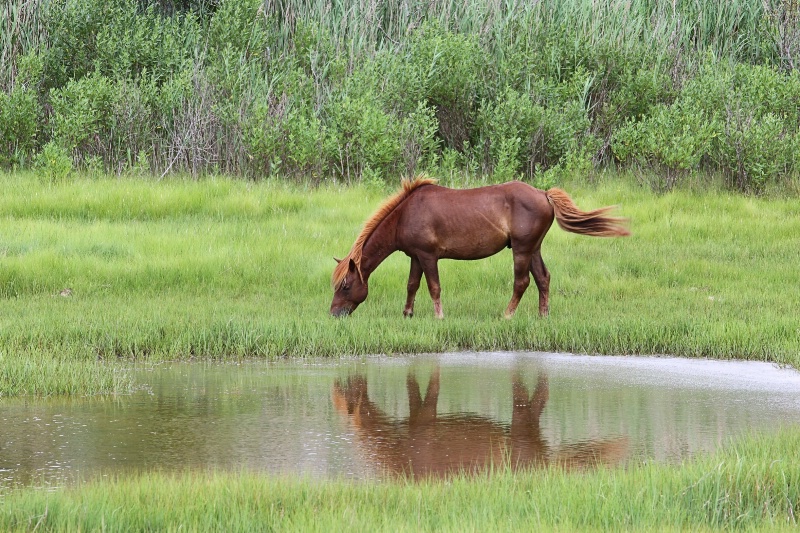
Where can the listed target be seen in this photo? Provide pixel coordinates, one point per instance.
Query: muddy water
(377, 417)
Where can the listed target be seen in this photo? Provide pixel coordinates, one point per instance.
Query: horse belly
(473, 237)
(451, 228)
(479, 248)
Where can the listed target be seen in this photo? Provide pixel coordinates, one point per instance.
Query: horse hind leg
(542, 278)
(431, 270)
(521, 281)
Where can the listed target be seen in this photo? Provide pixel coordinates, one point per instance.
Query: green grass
(37, 373)
(753, 484)
(227, 269)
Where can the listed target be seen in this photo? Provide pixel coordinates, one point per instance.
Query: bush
(741, 120)
(418, 140)
(118, 39)
(82, 114)
(19, 125)
(53, 163)
(450, 68)
(362, 137)
(754, 151)
(282, 137)
(520, 136)
(20, 113)
(673, 139)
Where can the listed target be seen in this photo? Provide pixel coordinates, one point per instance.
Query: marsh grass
(44, 374)
(751, 484)
(108, 269)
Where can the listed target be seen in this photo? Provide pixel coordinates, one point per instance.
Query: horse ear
(352, 266)
(337, 260)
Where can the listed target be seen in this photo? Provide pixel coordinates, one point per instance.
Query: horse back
(472, 223)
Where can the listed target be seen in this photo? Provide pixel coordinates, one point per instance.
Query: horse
(427, 444)
(429, 222)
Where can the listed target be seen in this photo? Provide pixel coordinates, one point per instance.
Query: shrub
(741, 120)
(754, 151)
(116, 38)
(518, 135)
(418, 140)
(20, 113)
(451, 67)
(53, 163)
(362, 136)
(281, 136)
(541, 90)
(19, 125)
(672, 138)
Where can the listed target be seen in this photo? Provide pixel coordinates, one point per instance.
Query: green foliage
(418, 139)
(672, 138)
(117, 39)
(308, 90)
(20, 113)
(82, 112)
(520, 136)
(19, 125)
(742, 120)
(363, 137)
(503, 125)
(283, 138)
(53, 163)
(452, 67)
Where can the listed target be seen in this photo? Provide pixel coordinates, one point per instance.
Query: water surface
(376, 417)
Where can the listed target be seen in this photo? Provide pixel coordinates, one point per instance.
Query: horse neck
(381, 244)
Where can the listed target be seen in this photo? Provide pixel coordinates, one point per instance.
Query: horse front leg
(522, 279)
(414, 277)
(422, 411)
(430, 267)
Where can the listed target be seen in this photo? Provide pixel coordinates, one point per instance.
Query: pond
(368, 418)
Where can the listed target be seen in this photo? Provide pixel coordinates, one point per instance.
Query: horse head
(350, 291)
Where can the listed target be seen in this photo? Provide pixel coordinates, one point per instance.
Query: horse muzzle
(341, 312)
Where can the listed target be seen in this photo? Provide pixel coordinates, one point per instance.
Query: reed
(751, 484)
(728, 29)
(22, 31)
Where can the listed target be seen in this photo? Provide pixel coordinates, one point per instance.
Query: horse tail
(595, 223)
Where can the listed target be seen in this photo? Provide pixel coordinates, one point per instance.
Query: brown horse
(426, 444)
(428, 222)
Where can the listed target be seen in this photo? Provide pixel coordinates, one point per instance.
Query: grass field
(95, 273)
(98, 270)
(750, 485)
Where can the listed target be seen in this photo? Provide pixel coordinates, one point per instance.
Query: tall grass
(133, 269)
(750, 485)
(22, 31)
(727, 29)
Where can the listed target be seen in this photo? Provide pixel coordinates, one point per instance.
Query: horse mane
(386, 207)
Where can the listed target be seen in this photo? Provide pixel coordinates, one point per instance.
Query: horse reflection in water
(428, 445)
